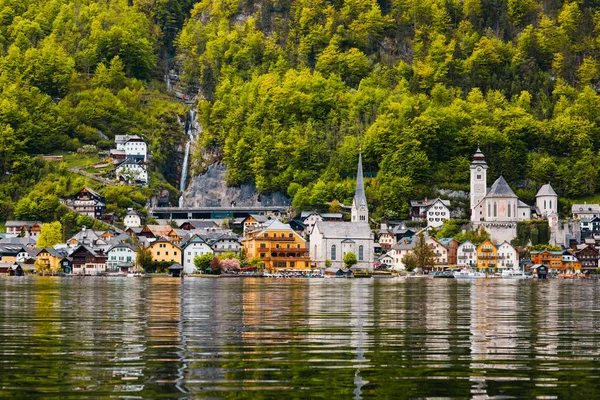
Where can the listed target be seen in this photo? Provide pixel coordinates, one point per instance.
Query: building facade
(194, 247)
(279, 247)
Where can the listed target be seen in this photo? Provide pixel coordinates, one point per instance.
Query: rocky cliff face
(210, 190)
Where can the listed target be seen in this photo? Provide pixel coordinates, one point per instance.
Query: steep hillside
(292, 89)
(80, 72)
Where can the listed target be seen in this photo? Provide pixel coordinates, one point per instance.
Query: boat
(361, 273)
(468, 274)
(443, 275)
(512, 274)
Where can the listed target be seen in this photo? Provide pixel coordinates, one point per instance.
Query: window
(478, 177)
(158, 253)
(333, 255)
(262, 255)
(166, 253)
(509, 210)
(360, 253)
(544, 204)
(263, 245)
(495, 209)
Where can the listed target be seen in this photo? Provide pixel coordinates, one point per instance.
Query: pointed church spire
(360, 210)
(359, 194)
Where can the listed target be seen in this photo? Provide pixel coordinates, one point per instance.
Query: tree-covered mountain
(79, 72)
(292, 89)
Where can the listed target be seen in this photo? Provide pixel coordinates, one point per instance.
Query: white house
(585, 210)
(136, 148)
(132, 170)
(132, 219)
(225, 242)
(333, 240)
(195, 246)
(387, 259)
(523, 211)
(120, 140)
(466, 255)
(508, 256)
(121, 256)
(546, 201)
(437, 213)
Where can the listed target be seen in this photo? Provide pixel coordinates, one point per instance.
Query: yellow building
(279, 247)
(162, 250)
(487, 255)
(50, 258)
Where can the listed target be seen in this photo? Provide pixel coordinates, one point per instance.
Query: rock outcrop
(211, 190)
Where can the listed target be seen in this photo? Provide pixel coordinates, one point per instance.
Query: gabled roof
(500, 188)
(342, 230)
(522, 204)
(546, 190)
(93, 192)
(585, 208)
(16, 224)
(121, 245)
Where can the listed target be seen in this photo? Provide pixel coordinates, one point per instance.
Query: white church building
(333, 240)
(498, 209)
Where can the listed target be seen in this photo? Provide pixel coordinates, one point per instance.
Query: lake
(298, 338)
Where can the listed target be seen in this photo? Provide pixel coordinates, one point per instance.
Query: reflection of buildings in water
(440, 306)
(494, 329)
(361, 306)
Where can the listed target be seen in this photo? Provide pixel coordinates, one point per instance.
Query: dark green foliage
(538, 232)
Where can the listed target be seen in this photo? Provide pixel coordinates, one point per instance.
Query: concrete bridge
(213, 212)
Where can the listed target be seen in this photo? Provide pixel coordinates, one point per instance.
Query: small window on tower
(478, 176)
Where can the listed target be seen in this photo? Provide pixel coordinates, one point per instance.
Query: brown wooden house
(588, 256)
(88, 261)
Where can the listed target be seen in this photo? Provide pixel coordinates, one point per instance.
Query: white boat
(512, 274)
(467, 274)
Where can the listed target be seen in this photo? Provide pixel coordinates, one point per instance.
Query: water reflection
(419, 338)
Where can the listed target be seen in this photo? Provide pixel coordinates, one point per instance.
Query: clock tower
(360, 209)
(478, 178)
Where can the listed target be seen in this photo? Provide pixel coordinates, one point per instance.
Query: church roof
(546, 190)
(344, 230)
(522, 204)
(359, 194)
(500, 188)
(478, 157)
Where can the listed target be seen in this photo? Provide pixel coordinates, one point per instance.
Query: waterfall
(189, 131)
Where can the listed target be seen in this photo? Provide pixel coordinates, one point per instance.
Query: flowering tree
(230, 264)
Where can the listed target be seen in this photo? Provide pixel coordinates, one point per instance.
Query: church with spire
(331, 241)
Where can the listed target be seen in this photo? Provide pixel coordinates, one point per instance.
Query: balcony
(486, 249)
(276, 239)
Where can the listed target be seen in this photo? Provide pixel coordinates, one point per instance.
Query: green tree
(50, 235)
(203, 262)
(350, 259)
(424, 254)
(410, 262)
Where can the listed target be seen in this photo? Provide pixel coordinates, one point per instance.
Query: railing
(486, 249)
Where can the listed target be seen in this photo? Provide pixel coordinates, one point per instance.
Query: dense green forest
(290, 90)
(80, 72)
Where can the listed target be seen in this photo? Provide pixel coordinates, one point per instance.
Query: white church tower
(478, 178)
(360, 210)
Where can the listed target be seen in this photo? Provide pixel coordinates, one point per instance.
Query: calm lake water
(324, 338)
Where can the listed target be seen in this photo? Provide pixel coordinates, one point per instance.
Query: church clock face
(478, 169)
(362, 208)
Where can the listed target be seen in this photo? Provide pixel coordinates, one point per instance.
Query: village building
(570, 263)
(88, 261)
(27, 228)
(588, 257)
(225, 242)
(451, 245)
(121, 257)
(487, 256)
(466, 255)
(386, 237)
(253, 223)
(51, 258)
(198, 224)
(331, 241)
(590, 226)
(551, 259)
(310, 218)
(163, 250)
(440, 259)
(589, 211)
(10, 253)
(89, 202)
(132, 219)
(401, 249)
(156, 232)
(133, 171)
(136, 148)
(279, 247)
(435, 211)
(508, 256)
(194, 247)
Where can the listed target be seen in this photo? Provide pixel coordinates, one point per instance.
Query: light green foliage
(50, 235)
(202, 262)
(350, 259)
